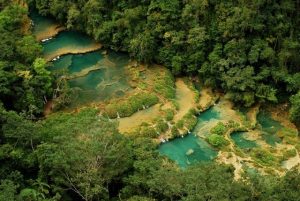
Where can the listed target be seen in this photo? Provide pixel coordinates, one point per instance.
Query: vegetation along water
(149, 100)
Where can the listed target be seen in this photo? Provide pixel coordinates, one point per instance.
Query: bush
(180, 124)
(127, 107)
(169, 114)
(289, 154)
(287, 132)
(233, 124)
(217, 141)
(190, 122)
(165, 86)
(161, 126)
(148, 132)
(175, 132)
(219, 129)
(263, 156)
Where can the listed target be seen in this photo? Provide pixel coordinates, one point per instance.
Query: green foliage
(25, 82)
(140, 198)
(289, 154)
(264, 157)
(28, 48)
(93, 152)
(188, 121)
(147, 131)
(287, 132)
(219, 129)
(81, 155)
(233, 124)
(295, 108)
(142, 47)
(131, 105)
(217, 140)
(231, 44)
(248, 49)
(161, 126)
(180, 124)
(169, 114)
(175, 132)
(8, 190)
(164, 85)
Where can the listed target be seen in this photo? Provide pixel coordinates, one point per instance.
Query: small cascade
(188, 130)
(56, 58)
(46, 39)
(144, 107)
(118, 115)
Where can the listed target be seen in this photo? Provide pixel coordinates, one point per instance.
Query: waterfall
(118, 115)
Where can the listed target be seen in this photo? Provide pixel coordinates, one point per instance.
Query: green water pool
(108, 81)
(179, 148)
(66, 40)
(78, 62)
(269, 128)
(206, 120)
(93, 76)
(240, 140)
(41, 23)
(209, 114)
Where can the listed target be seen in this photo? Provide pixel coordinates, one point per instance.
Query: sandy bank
(72, 50)
(84, 72)
(50, 32)
(128, 124)
(185, 98)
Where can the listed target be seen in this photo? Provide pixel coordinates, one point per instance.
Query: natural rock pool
(269, 128)
(241, 141)
(95, 76)
(191, 148)
(68, 42)
(188, 150)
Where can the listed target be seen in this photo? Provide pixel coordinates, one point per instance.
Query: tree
(143, 47)
(83, 153)
(28, 49)
(295, 108)
(7, 190)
